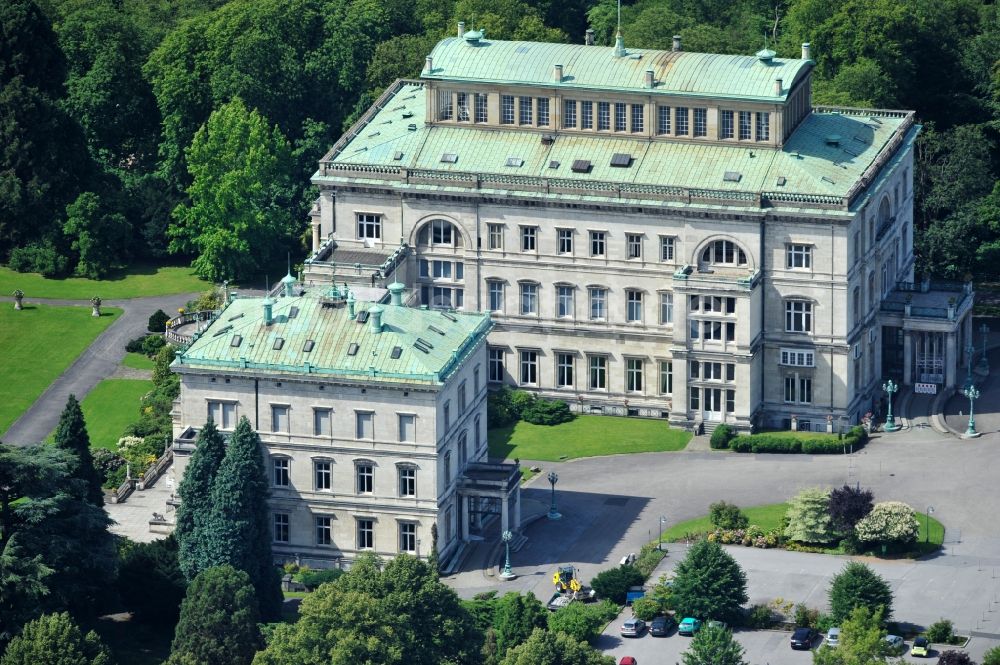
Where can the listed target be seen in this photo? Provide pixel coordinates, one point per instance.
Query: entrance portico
(490, 489)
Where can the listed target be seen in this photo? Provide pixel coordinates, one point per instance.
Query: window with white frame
(445, 108)
(369, 226)
(603, 116)
(565, 241)
(322, 475)
(694, 398)
(730, 401)
(366, 533)
(666, 308)
(281, 476)
(364, 472)
(462, 100)
(529, 368)
(724, 252)
(496, 365)
(365, 425)
(495, 289)
(279, 418)
(324, 530)
(529, 299)
(633, 305)
(529, 238)
(597, 243)
(543, 111)
(407, 537)
(494, 236)
(726, 128)
(565, 363)
(633, 374)
(621, 116)
(407, 481)
(322, 419)
(569, 114)
(598, 372)
(407, 428)
(633, 243)
(745, 127)
(681, 118)
(798, 316)
(798, 358)
(482, 109)
(666, 377)
(282, 528)
(564, 301)
(442, 297)
(223, 414)
(798, 256)
(700, 122)
(586, 115)
(763, 126)
(638, 119)
(798, 389)
(662, 120)
(667, 246)
(506, 109)
(598, 303)
(442, 232)
(524, 110)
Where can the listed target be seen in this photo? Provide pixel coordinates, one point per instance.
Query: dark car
(661, 626)
(803, 638)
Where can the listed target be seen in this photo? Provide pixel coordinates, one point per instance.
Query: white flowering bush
(127, 442)
(888, 522)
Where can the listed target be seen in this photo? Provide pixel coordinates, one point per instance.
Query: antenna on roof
(619, 42)
(765, 54)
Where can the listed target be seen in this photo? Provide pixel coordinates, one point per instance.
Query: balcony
(941, 301)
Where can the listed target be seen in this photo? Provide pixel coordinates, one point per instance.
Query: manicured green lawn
(39, 342)
(110, 407)
(766, 517)
(138, 361)
(585, 436)
(135, 282)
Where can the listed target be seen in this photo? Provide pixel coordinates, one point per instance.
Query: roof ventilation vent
(352, 350)
(765, 55)
(411, 127)
(407, 114)
(548, 139)
(553, 164)
(473, 37)
(396, 156)
(832, 139)
(516, 162)
(781, 181)
(581, 166)
(449, 158)
(621, 160)
(732, 176)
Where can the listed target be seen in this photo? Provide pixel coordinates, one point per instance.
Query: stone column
(315, 230)
(517, 509)
(465, 518)
(951, 358)
(504, 517)
(907, 358)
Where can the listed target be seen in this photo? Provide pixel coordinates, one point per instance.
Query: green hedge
(778, 442)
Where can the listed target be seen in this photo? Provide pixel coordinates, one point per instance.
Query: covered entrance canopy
(487, 488)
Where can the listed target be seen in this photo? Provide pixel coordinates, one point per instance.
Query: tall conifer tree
(196, 501)
(71, 436)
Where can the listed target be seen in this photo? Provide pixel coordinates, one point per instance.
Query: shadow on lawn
(500, 442)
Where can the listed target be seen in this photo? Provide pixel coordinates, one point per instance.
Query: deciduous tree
(515, 617)
(889, 522)
(54, 639)
(554, 649)
(862, 641)
(848, 505)
(714, 645)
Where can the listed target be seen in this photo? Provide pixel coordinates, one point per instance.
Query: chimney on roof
(588, 37)
(268, 311)
(806, 51)
(396, 294)
(557, 73)
(461, 29)
(350, 305)
(429, 64)
(376, 316)
(649, 78)
(677, 43)
(777, 87)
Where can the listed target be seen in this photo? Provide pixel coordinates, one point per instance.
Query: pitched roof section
(595, 67)
(432, 343)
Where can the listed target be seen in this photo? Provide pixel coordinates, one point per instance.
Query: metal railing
(175, 337)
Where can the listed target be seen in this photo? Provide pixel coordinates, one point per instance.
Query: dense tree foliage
(855, 586)
(54, 639)
(809, 518)
(862, 641)
(709, 584)
(848, 505)
(195, 491)
(150, 581)
(71, 436)
(714, 645)
(554, 649)
(515, 617)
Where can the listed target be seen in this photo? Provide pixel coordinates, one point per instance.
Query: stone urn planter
(18, 297)
(95, 303)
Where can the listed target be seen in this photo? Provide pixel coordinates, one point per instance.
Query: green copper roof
(431, 343)
(596, 67)
(810, 164)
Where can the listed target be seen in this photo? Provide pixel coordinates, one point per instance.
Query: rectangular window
(446, 298)
(529, 368)
(667, 245)
(797, 358)
(369, 226)
(633, 244)
(323, 475)
(496, 296)
(681, 121)
(366, 534)
(666, 377)
(662, 120)
(407, 481)
(564, 301)
(603, 116)
(442, 232)
(633, 306)
(726, 128)
(463, 107)
(543, 111)
(569, 114)
(798, 256)
(462, 400)
(621, 116)
(495, 239)
(282, 526)
(324, 530)
(638, 121)
(506, 109)
(805, 390)
(425, 268)
(223, 414)
(597, 239)
(745, 125)
(598, 304)
(496, 365)
(282, 469)
(598, 372)
(694, 328)
(322, 419)
(365, 473)
(279, 418)
(586, 115)
(524, 110)
(482, 112)
(763, 126)
(730, 401)
(694, 369)
(694, 401)
(529, 236)
(529, 299)
(442, 269)
(730, 332)
(445, 109)
(633, 375)
(407, 428)
(701, 122)
(565, 238)
(564, 370)
(365, 425)
(730, 372)
(798, 316)
(666, 308)
(407, 537)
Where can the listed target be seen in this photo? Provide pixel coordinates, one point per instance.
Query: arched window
(725, 253)
(884, 212)
(439, 233)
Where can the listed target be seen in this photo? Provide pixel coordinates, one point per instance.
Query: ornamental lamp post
(973, 394)
(553, 479)
(507, 574)
(927, 515)
(890, 387)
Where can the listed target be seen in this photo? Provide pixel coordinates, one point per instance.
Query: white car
(895, 643)
(833, 637)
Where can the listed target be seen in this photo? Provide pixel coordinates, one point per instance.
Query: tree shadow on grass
(501, 443)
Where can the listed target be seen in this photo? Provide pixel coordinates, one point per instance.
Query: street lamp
(930, 511)
(659, 538)
(985, 329)
(507, 574)
(973, 394)
(890, 387)
(553, 479)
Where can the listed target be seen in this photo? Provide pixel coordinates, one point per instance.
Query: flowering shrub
(752, 536)
(888, 522)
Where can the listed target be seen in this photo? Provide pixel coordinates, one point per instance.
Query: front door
(713, 404)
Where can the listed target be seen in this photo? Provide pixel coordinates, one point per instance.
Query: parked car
(712, 623)
(833, 637)
(633, 627)
(661, 626)
(689, 626)
(803, 638)
(895, 643)
(628, 660)
(921, 647)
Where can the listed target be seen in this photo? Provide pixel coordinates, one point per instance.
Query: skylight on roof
(397, 351)
(421, 345)
(293, 312)
(236, 341)
(516, 162)
(581, 166)
(553, 164)
(435, 329)
(449, 316)
(449, 158)
(352, 350)
(425, 342)
(238, 316)
(363, 317)
(308, 346)
(278, 343)
(621, 160)
(222, 331)
(781, 181)
(732, 176)
(398, 155)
